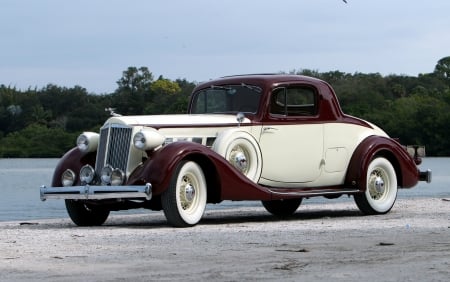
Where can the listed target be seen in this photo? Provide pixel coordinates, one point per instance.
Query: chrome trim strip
(96, 192)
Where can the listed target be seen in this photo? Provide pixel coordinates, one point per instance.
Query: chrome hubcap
(187, 193)
(379, 184)
(239, 159)
(377, 187)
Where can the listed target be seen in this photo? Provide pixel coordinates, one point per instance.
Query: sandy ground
(331, 242)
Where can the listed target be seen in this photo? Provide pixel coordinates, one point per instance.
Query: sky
(89, 43)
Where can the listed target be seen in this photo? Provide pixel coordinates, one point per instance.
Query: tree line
(45, 122)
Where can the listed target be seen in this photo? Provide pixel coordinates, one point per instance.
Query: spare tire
(241, 150)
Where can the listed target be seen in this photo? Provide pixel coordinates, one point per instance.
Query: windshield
(227, 99)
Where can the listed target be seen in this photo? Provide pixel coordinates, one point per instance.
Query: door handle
(269, 129)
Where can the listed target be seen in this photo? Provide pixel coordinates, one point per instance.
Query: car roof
(258, 79)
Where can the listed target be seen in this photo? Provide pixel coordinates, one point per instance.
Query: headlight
(68, 178)
(87, 142)
(105, 174)
(117, 177)
(87, 174)
(139, 141)
(148, 139)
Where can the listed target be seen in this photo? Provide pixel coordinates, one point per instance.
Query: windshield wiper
(229, 90)
(252, 87)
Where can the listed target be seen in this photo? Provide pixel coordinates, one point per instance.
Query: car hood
(161, 121)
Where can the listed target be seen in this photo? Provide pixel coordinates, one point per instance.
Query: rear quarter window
(294, 101)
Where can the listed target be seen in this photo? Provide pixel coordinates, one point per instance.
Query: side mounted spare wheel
(381, 188)
(242, 151)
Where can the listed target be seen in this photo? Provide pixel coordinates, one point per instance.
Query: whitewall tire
(381, 188)
(242, 151)
(184, 201)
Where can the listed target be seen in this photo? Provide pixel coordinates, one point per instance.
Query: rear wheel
(83, 214)
(185, 200)
(282, 208)
(381, 188)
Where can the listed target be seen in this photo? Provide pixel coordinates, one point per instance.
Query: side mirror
(240, 118)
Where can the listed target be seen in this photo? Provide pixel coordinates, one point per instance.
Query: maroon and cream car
(272, 138)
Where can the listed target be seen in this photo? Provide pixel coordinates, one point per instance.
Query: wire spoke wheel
(381, 188)
(188, 196)
(184, 201)
(377, 184)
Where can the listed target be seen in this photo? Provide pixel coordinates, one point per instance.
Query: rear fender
(374, 146)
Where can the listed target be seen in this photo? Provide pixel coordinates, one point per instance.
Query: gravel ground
(331, 242)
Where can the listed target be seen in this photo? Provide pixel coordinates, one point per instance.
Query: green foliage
(165, 87)
(45, 122)
(36, 141)
(443, 68)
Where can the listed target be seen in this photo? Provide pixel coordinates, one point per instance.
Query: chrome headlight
(105, 174)
(87, 174)
(68, 178)
(148, 139)
(87, 141)
(139, 141)
(117, 177)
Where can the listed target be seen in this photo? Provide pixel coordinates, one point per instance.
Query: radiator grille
(114, 147)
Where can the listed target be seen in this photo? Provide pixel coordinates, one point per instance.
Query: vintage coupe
(273, 138)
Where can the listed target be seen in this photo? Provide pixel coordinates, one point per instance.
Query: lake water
(20, 180)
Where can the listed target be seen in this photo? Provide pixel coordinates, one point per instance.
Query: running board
(310, 193)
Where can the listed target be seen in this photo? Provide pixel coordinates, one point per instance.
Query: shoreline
(321, 242)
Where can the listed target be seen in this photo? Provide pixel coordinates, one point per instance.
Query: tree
(165, 87)
(442, 68)
(135, 80)
(133, 91)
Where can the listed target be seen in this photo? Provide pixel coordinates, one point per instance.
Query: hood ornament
(112, 113)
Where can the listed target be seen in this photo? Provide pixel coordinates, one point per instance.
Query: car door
(291, 140)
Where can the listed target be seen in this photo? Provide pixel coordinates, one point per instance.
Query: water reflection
(20, 180)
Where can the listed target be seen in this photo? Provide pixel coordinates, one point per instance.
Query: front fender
(74, 160)
(224, 181)
(373, 146)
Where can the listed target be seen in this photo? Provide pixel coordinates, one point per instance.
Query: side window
(294, 101)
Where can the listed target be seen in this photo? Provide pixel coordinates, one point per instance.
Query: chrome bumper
(96, 192)
(425, 175)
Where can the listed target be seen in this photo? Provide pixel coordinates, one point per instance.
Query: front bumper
(96, 192)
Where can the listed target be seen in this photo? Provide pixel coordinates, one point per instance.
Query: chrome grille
(114, 147)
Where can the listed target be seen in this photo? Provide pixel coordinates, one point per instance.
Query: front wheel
(83, 214)
(381, 188)
(185, 200)
(282, 208)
